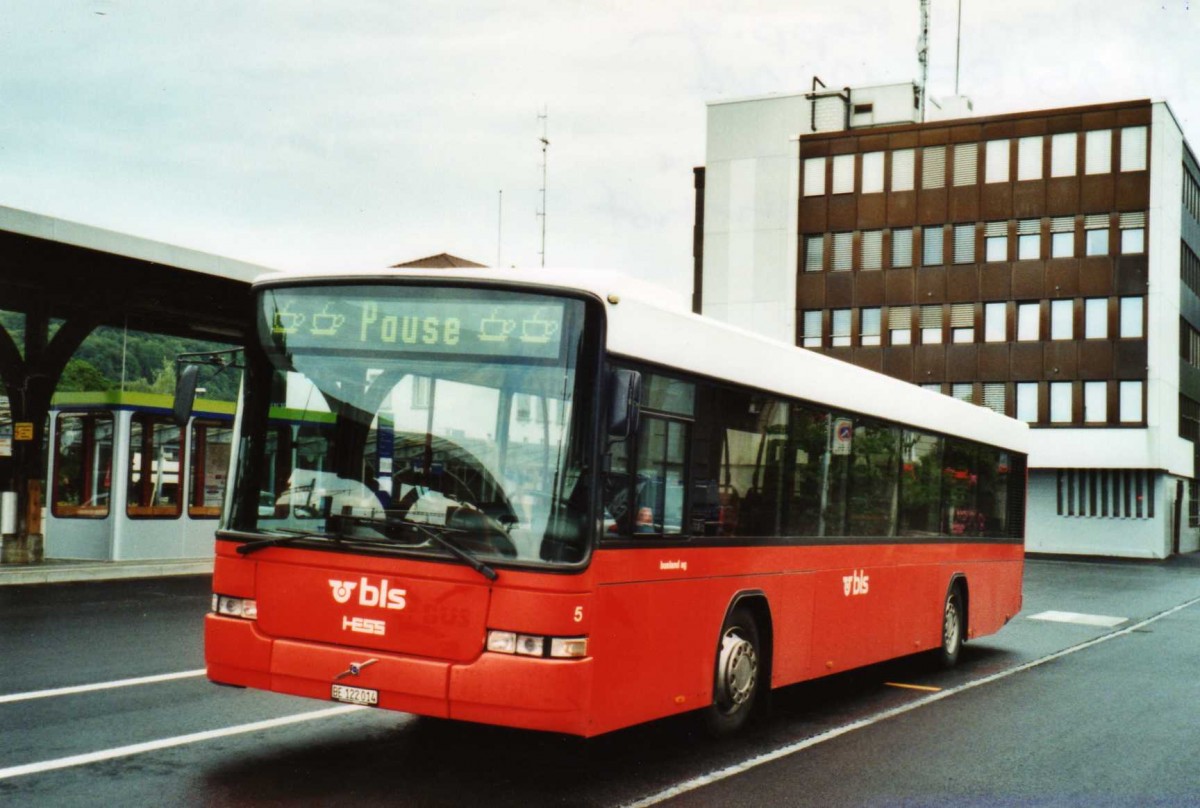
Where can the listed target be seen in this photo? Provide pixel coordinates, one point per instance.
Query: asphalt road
(1041, 713)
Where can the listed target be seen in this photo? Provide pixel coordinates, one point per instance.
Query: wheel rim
(950, 626)
(737, 671)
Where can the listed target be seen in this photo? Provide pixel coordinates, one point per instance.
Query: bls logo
(369, 595)
(856, 583)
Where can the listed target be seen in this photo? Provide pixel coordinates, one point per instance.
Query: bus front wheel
(737, 677)
(952, 628)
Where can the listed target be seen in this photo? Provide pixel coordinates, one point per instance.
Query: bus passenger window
(155, 452)
(659, 482)
(82, 465)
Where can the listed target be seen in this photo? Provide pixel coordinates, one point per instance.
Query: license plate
(355, 695)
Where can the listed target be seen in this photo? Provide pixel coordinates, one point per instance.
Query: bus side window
(660, 481)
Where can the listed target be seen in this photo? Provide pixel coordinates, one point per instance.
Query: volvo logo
(355, 669)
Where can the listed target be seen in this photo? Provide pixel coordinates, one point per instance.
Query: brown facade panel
(898, 362)
(1096, 193)
(900, 286)
(994, 362)
(1028, 127)
(964, 203)
(962, 283)
(930, 363)
(903, 140)
(998, 129)
(937, 136)
(1095, 276)
(842, 354)
(869, 357)
(1062, 277)
(902, 209)
(872, 211)
(870, 143)
(1029, 199)
(1102, 119)
(1057, 124)
(1132, 274)
(842, 146)
(966, 133)
(996, 201)
(931, 285)
(1062, 196)
(814, 214)
(1134, 116)
(1026, 359)
(1133, 190)
(869, 289)
(962, 362)
(1028, 279)
(932, 206)
(1095, 359)
(839, 290)
(810, 290)
(1060, 361)
(1129, 359)
(995, 282)
(843, 212)
(814, 147)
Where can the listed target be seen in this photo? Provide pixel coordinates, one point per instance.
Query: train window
(155, 452)
(211, 442)
(83, 451)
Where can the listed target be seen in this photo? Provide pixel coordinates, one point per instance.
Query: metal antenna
(923, 53)
(542, 116)
(958, 47)
(499, 228)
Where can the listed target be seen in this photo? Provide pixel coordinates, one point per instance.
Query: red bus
(554, 501)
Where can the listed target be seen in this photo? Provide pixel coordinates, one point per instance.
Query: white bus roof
(653, 324)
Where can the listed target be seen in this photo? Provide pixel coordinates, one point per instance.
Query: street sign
(23, 430)
(843, 433)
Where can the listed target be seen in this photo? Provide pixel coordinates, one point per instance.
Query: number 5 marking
(578, 614)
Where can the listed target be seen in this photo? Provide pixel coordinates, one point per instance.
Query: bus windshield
(417, 419)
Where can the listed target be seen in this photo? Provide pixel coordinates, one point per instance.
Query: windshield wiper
(437, 537)
(292, 535)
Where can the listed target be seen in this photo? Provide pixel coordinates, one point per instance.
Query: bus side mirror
(624, 410)
(185, 394)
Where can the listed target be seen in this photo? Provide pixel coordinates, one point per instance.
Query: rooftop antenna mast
(923, 53)
(543, 116)
(958, 47)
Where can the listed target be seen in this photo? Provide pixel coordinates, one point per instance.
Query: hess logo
(856, 583)
(381, 596)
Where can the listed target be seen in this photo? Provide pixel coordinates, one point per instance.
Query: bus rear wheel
(952, 628)
(737, 677)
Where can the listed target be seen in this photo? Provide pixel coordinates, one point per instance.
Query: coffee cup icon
(538, 329)
(327, 324)
(286, 322)
(495, 329)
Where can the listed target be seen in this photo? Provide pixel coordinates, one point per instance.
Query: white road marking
(167, 743)
(1101, 620)
(66, 691)
(924, 701)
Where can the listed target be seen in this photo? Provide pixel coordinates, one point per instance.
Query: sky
(357, 134)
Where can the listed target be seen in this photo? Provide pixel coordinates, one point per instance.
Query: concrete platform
(57, 572)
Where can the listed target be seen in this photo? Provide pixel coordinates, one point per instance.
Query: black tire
(953, 628)
(737, 674)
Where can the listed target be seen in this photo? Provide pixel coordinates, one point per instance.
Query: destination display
(377, 320)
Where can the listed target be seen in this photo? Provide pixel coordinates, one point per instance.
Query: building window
(1095, 402)
(812, 329)
(902, 247)
(83, 457)
(1029, 158)
(870, 327)
(963, 391)
(843, 252)
(931, 325)
(843, 174)
(814, 253)
(903, 167)
(932, 239)
(900, 325)
(1095, 230)
(996, 156)
(814, 176)
(1060, 402)
(1029, 239)
(1027, 402)
(1061, 319)
(155, 457)
(966, 162)
(962, 322)
(933, 167)
(993, 396)
(995, 325)
(1095, 318)
(1097, 152)
(839, 332)
(1133, 233)
(1027, 322)
(1132, 321)
(1062, 154)
(964, 243)
(1062, 237)
(1131, 402)
(872, 172)
(995, 241)
(1133, 148)
(871, 245)
(932, 387)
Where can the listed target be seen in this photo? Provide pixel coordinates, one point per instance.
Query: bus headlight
(509, 642)
(245, 608)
